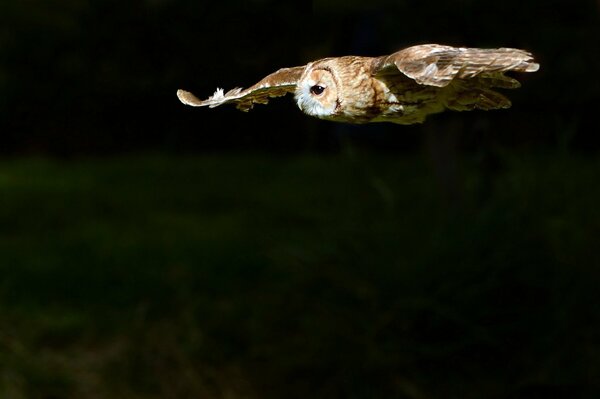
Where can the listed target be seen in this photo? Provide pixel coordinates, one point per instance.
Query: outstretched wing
(277, 84)
(437, 65)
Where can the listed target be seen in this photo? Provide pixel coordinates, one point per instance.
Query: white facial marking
(308, 102)
(314, 102)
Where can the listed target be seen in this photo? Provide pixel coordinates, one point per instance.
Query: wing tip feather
(218, 98)
(532, 67)
(188, 98)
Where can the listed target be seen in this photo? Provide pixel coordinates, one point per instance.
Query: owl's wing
(437, 65)
(277, 84)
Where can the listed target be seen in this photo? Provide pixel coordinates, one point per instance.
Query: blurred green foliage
(344, 276)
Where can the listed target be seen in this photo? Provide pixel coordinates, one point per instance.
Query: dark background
(153, 250)
(95, 77)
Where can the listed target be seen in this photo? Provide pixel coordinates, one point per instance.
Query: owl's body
(363, 98)
(402, 88)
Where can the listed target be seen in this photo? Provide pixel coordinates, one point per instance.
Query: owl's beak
(296, 98)
(299, 101)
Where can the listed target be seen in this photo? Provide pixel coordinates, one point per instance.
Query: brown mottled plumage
(403, 87)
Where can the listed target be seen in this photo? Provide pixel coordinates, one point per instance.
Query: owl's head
(317, 91)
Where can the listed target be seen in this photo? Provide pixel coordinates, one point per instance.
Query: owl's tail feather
(489, 99)
(478, 98)
(498, 79)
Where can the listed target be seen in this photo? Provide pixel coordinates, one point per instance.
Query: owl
(404, 87)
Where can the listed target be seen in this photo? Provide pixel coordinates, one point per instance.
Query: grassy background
(341, 276)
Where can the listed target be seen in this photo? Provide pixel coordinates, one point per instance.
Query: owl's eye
(317, 90)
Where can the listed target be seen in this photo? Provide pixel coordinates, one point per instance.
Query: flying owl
(403, 87)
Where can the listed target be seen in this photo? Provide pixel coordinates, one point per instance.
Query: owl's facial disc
(316, 93)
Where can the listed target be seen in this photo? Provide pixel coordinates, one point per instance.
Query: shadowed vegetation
(345, 276)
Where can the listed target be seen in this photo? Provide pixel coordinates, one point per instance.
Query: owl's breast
(406, 102)
(362, 99)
